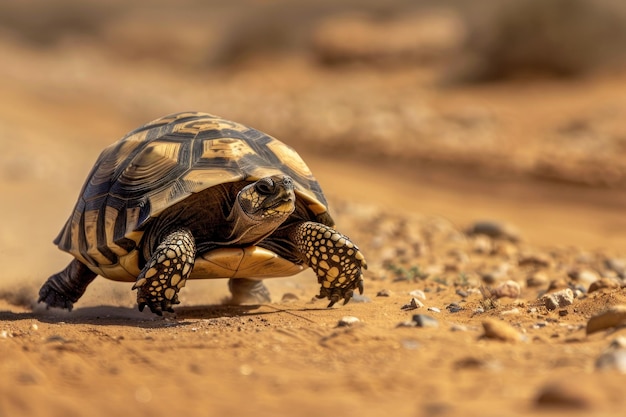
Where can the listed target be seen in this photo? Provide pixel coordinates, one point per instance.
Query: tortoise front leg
(63, 289)
(334, 258)
(166, 272)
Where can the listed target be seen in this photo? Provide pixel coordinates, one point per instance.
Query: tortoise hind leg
(63, 289)
(166, 272)
(247, 291)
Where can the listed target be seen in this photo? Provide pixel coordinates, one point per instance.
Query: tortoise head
(268, 199)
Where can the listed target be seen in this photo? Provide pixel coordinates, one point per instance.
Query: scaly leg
(334, 258)
(166, 272)
(63, 289)
(246, 290)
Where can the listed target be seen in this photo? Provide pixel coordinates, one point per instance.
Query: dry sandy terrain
(407, 194)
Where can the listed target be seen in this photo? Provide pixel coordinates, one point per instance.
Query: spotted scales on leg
(166, 272)
(334, 258)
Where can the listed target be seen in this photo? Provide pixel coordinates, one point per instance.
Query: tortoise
(193, 196)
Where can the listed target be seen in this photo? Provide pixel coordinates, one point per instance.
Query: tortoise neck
(245, 230)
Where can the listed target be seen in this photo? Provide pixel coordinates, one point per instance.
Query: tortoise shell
(161, 164)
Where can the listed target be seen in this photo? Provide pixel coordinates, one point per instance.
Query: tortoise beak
(283, 194)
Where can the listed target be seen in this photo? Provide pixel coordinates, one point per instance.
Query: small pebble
(495, 230)
(471, 362)
(510, 312)
(500, 330)
(412, 305)
(563, 313)
(616, 265)
(458, 328)
(612, 360)
(418, 294)
(289, 297)
(434, 309)
(537, 260)
(346, 321)
(557, 299)
(4, 334)
(454, 308)
(422, 320)
(510, 289)
(603, 284)
(583, 276)
(558, 284)
(34, 327)
(462, 293)
(618, 343)
(537, 279)
(563, 394)
(410, 344)
(612, 317)
(383, 293)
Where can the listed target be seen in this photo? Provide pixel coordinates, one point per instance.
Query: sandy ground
(290, 357)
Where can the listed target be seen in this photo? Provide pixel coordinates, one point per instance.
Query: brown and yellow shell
(159, 165)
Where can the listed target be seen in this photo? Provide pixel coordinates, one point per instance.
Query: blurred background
(505, 109)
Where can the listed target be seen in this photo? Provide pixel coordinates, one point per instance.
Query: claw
(332, 303)
(360, 286)
(347, 297)
(142, 306)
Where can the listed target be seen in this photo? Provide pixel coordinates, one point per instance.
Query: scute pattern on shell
(159, 165)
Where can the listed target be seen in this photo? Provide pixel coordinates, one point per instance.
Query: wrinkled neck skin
(245, 229)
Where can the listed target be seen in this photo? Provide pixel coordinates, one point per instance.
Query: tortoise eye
(264, 186)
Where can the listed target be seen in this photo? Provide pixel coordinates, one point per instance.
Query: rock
(461, 293)
(557, 299)
(603, 283)
(289, 297)
(482, 245)
(616, 265)
(412, 305)
(346, 321)
(418, 294)
(471, 362)
(410, 344)
(612, 317)
(383, 293)
(434, 309)
(494, 230)
(510, 312)
(558, 284)
(612, 360)
(618, 343)
(537, 279)
(458, 328)
(508, 288)
(583, 276)
(454, 308)
(423, 320)
(500, 330)
(563, 394)
(537, 260)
